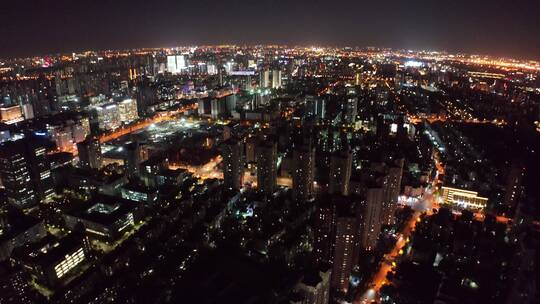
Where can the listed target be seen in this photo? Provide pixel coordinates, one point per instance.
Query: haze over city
(498, 27)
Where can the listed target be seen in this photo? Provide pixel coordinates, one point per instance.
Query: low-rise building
(53, 261)
(463, 199)
(18, 229)
(105, 217)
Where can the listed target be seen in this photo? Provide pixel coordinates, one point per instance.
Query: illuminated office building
(463, 199)
(176, 64)
(127, 110)
(264, 81)
(276, 79)
(16, 178)
(53, 261)
(211, 69)
(25, 171)
(108, 116)
(270, 79)
(11, 114)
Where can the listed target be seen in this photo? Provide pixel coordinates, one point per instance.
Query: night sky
(497, 27)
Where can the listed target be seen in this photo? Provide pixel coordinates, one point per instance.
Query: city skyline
(166, 152)
(402, 51)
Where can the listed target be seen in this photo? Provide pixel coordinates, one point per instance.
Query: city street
(379, 279)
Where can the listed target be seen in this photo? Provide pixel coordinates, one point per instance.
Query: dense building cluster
(268, 174)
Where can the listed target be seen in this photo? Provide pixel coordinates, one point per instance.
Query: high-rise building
(270, 79)
(230, 103)
(171, 64)
(146, 94)
(265, 79)
(229, 67)
(276, 79)
(217, 107)
(211, 69)
(260, 99)
(108, 116)
(267, 166)
(25, 172)
(89, 153)
(340, 172)
(382, 94)
(62, 136)
(227, 132)
(250, 155)
(133, 158)
(323, 228)
(372, 218)
(27, 110)
(351, 109)
(40, 167)
(201, 107)
(176, 63)
(15, 288)
(233, 164)
(303, 173)
(314, 287)
(127, 110)
(79, 132)
(316, 107)
(214, 108)
(346, 251)
(392, 187)
(15, 173)
(383, 128)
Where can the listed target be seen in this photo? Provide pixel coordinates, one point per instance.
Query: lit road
(429, 201)
(159, 117)
(379, 279)
(70, 149)
(439, 118)
(479, 216)
(206, 171)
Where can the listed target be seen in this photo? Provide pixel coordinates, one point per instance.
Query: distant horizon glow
(502, 28)
(414, 64)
